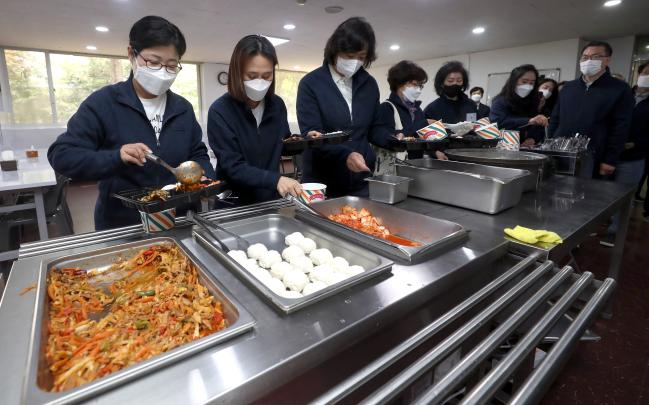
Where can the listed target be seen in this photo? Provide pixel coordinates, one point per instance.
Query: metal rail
(488, 386)
(539, 381)
(446, 347)
(370, 371)
(66, 242)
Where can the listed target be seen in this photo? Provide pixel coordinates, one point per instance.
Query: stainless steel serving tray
(271, 229)
(434, 234)
(39, 380)
(533, 162)
(481, 188)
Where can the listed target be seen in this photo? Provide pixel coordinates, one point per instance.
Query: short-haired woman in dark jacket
(453, 105)
(406, 80)
(516, 107)
(341, 95)
(246, 126)
(116, 126)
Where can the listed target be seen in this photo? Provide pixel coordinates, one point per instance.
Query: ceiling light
(91, 47)
(647, 46)
(478, 30)
(612, 3)
(101, 28)
(333, 9)
(301, 2)
(276, 41)
(395, 47)
(289, 26)
(297, 67)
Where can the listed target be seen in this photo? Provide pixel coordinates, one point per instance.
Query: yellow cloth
(533, 236)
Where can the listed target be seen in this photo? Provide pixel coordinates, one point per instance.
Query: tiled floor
(612, 371)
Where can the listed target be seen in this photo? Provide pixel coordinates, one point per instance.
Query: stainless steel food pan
(39, 379)
(481, 188)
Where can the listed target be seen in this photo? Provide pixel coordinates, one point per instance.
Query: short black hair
(353, 35)
(522, 106)
(477, 88)
(603, 44)
(446, 69)
(642, 66)
(404, 72)
(246, 48)
(152, 31)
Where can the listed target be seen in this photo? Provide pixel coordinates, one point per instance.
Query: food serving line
(372, 339)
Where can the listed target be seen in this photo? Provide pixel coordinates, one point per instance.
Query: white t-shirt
(258, 112)
(155, 111)
(344, 84)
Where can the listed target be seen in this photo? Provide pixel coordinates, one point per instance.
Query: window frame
(6, 87)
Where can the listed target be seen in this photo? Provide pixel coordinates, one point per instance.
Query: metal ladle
(186, 173)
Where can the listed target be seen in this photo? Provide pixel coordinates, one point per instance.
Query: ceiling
(423, 28)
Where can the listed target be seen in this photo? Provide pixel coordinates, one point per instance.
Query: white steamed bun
(307, 245)
(271, 257)
(293, 239)
(321, 256)
(278, 270)
(295, 280)
(256, 251)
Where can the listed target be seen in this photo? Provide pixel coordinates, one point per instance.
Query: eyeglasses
(157, 65)
(584, 58)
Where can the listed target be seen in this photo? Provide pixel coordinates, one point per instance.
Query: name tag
(470, 117)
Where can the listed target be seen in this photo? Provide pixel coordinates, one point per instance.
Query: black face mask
(452, 91)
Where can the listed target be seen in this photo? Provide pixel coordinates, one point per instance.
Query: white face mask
(412, 93)
(256, 89)
(155, 82)
(348, 67)
(590, 67)
(546, 93)
(476, 97)
(643, 81)
(523, 90)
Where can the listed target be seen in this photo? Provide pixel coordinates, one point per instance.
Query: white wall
(622, 58)
(557, 54)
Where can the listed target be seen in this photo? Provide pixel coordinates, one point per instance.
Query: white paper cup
(313, 192)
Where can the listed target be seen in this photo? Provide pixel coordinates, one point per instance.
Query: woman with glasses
(246, 126)
(453, 105)
(342, 95)
(115, 127)
(517, 106)
(401, 113)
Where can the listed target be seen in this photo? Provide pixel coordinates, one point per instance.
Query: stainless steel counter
(285, 346)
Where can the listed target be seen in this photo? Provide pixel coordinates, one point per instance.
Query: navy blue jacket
(410, 125)
(482, 110)
(639, 135)
(503, 114)
(248, 156)
(602, 112)
(111, 117)
(321, 107)
(450, 111)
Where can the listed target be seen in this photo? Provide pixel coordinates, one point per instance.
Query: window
(186, 85)
(73, 79)
(286, 83)
(30, 91)
(76, 77)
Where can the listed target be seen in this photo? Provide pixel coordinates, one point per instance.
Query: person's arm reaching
(78, 152)
(501, 115)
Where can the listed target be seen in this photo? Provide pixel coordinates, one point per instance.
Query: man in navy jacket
(596, 105)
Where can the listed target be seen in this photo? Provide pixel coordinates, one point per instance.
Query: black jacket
(503, 114)
(114, 116)
(321, 107)
(410, 125)
(248, 156)
(481, 110)
(639, 134)
(602, 112)
(450, 111)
